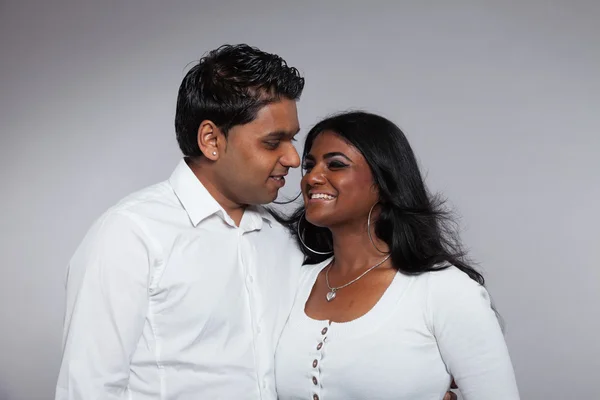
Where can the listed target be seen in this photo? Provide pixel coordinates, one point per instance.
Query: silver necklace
(333, 290)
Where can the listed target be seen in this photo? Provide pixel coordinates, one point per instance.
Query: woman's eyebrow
(337, 153)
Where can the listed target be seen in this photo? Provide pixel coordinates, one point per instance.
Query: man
(181, 290)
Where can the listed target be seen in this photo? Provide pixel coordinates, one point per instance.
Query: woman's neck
(354, 252)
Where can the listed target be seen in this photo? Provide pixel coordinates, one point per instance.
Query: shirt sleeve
(107, 301)
(469, 337)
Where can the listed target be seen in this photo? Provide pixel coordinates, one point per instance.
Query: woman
(389, 308)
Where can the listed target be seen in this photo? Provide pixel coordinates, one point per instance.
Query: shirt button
(315, 380)
(319, 346)
(315, 363)
(315, 397)
(324, 331)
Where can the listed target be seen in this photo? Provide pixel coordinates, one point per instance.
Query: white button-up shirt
(168, 299)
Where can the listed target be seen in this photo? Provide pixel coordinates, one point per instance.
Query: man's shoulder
(133, 214)
(149, 198)
(155, 202)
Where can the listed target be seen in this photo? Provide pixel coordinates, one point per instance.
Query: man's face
(259, 154)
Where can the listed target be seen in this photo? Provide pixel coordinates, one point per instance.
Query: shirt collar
(264, 214)
(198, 203)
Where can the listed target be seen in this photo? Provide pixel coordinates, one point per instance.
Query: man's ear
(210, 140)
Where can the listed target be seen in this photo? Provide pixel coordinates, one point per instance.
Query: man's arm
(107, 301)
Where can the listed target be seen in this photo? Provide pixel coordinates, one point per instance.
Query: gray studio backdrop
(500, 100)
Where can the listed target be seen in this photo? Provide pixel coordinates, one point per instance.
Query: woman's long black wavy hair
(417, 228)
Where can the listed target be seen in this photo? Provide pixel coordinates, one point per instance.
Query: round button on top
(314, 380)
(319, 346)
(324, 331)
(315, 397)
(315, 363)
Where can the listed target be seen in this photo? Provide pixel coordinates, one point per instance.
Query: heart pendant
(330, 295)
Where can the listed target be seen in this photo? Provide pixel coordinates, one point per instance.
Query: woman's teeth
(321, 196)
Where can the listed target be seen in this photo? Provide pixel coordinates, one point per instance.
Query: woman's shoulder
(310, 271)
(450, 277)
(451, 288)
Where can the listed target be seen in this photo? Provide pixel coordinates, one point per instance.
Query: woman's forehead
(330, 141)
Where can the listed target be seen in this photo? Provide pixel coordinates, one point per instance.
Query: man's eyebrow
(282, 134)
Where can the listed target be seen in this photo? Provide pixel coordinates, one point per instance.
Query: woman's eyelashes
(336, 164)
(307, 166)
(332, 165)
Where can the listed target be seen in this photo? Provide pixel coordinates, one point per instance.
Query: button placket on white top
(248, 260)
(246, 255)
(250, 264)
(315, 376)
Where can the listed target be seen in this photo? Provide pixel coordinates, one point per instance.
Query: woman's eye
(307, 166)
(336, 164)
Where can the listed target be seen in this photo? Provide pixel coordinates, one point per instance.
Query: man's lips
(278, 179)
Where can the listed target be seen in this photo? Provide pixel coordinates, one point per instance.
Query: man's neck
(204, 175)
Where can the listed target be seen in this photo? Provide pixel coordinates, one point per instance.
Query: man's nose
(291, 158)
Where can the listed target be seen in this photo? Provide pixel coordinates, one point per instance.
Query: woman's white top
(422, 331)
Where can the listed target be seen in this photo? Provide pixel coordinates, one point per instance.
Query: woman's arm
(469, 337)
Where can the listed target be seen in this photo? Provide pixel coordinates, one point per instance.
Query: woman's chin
(320, 219)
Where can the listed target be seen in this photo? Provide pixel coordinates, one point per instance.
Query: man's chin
(272, 199)
(271, 196)
(263, 200)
